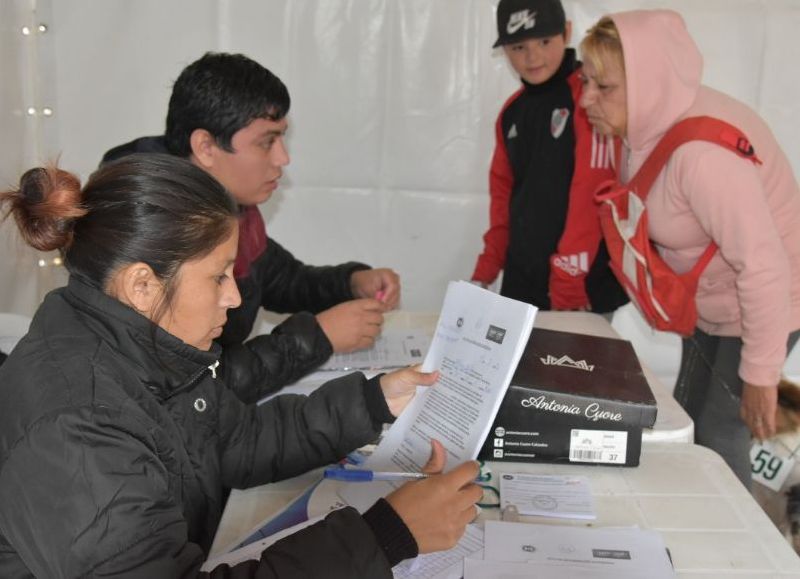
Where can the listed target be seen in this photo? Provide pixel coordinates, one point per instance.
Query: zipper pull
(213, 369)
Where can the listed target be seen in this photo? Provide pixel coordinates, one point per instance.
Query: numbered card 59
(768, 467)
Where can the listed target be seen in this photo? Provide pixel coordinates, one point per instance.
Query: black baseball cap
(521, 19)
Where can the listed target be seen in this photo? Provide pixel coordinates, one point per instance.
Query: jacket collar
(568, 66)
(163, 363)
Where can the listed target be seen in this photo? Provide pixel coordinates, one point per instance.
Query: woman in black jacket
(116, 439)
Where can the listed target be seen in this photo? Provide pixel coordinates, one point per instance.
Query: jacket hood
(663, 70)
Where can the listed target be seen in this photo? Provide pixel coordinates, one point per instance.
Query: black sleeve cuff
(391, 532)
(351, 268)
(376, 403)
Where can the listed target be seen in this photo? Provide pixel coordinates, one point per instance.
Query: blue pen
(366, 475)
(363, 475)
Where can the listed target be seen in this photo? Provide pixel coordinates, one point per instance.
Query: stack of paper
(477, 345)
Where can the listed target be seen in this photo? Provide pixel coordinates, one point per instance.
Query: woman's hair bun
(45, 207)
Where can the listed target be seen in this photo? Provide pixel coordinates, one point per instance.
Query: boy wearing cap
(543, 227)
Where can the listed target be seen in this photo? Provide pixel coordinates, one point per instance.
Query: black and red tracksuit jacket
(544, 232)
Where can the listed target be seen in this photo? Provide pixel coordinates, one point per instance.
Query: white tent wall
(391, 126)
(27, 138)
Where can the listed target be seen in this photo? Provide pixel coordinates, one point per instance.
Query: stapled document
(476, 347)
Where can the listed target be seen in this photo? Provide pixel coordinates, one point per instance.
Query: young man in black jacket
(227, 115)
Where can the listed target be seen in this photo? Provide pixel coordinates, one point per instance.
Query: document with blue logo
(477, 345)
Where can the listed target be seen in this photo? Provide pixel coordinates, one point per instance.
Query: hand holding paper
(400, 386)
(478, 342)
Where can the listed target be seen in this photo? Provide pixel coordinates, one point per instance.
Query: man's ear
(204, 148)
(137, 286)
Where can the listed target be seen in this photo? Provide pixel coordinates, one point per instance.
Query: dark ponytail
(156, 209)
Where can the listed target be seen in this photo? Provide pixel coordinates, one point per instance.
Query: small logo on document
(558, 122)
(498, 443)
(495, 334)
(567, 362)
(459, 322)
(498, 453)
(499, 431)
(522, 19)
(528, 548)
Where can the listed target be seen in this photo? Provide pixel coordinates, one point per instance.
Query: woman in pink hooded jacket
(642, 74)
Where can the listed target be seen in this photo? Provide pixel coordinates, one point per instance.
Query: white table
(710, 523)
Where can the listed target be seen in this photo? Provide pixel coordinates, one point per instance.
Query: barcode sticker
(606, 446)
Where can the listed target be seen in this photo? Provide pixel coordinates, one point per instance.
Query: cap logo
(522, 19)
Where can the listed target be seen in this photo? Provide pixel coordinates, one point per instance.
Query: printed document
(477, 345)
(484, 569)
(392, 349)
(621, 550)
(544, 495)
(443, 564)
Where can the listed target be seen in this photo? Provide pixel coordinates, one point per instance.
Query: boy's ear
(568, 32)
(204, 147)
(137, 286)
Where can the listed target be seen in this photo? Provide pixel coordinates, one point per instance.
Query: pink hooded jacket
(751, 288)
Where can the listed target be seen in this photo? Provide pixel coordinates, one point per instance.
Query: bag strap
(703, 261)
(691, 129)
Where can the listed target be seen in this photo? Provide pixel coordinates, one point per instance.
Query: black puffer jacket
(116, 442)
(278, 282)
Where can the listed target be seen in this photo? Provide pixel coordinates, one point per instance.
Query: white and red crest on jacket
(558, 122)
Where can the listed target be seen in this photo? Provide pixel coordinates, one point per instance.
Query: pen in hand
(365, 475)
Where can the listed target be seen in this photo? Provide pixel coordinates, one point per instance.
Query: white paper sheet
(561, 496)
(443, 564)
(628, 550)
(392, 349)
(254, 550)
(7, 343)
(484, 569)
(477, 345)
